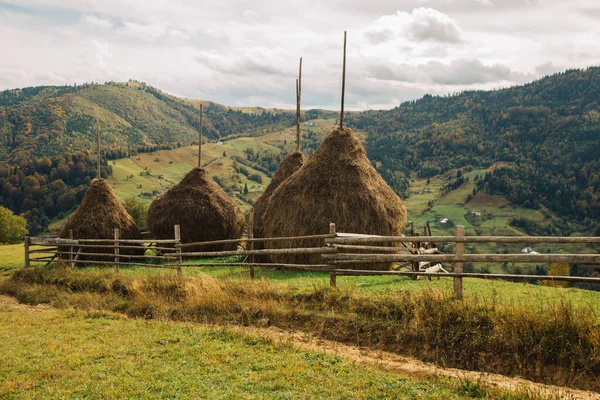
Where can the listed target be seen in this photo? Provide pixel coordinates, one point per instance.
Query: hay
(99, 213)
(337, 184)
(201, 208)
(288, 166)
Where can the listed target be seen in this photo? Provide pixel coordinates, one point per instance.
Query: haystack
(201, 208)
(337, 184)
(99, 213)
(288, 166)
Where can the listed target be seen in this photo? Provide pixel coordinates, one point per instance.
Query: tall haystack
(201, 208)
(337, 184)
(288, 166)
(99, 213)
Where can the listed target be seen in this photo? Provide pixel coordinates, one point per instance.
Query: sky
(243, 53)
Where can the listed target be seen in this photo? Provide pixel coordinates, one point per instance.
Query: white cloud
(430, 24)
(422, 24)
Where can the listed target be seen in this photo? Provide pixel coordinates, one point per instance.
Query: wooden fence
(336, 258)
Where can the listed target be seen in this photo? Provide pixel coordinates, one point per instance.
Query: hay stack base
(99, 213)
(337, 184)
(201, 208)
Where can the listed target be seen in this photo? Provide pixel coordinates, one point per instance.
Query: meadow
(96, 354)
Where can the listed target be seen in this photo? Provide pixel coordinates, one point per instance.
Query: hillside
(48, 121)
(530, 149)
(47, 133)
(547, 134)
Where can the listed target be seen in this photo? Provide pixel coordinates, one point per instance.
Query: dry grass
(337, 184)
(555, 343)
(201, 208)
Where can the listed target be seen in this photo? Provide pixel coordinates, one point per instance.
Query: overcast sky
(245, 53)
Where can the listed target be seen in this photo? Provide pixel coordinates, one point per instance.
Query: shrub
(12, 227)
(558, 269)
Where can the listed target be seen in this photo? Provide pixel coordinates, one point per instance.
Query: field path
(409, 366)
(386, 361)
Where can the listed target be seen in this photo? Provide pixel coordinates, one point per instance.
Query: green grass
(11, 256)
(541, 337)
(73, 354)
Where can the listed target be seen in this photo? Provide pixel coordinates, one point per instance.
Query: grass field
(73, 354)
(551, 333)
(11, 257)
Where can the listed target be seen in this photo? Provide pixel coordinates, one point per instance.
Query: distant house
(527, 250)
(444, 221)
(219, 142)
(477, 213)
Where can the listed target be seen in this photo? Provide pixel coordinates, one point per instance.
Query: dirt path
(411, 367)
(380, 359)
(8, 304)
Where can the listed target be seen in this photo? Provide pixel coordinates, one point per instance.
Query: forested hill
(547, 132)
(48, 138)
(49, 121)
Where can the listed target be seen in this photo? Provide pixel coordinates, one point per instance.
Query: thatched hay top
(99, 213)
(201, 208)
(288, 166)
(337, 184)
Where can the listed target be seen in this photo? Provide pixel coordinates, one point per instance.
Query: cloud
(459, 72)
(430, 24)
(421, 25)
(242, 53)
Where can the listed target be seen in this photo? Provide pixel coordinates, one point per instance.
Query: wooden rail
(360, 239)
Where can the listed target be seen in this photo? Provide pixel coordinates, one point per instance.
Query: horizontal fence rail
(461, 239)
(440, 258)
(254, 240)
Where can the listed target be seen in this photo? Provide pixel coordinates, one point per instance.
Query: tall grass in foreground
(558, 342)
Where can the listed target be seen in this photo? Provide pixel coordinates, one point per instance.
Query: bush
(12, 227)
(137, 209)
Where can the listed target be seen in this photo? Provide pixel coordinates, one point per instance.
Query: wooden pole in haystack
(343, 84)
(200, 140)
(98, 150)
(298, 98)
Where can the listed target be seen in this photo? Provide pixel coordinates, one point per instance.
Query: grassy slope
(72, 354)
(496, 214)
(174, 164)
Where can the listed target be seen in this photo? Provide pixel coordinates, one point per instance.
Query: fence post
(116, 249)
(177, 231)
(332, 274)
(458, 266)
(251, 244)
(71, 250)
(27, 263)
